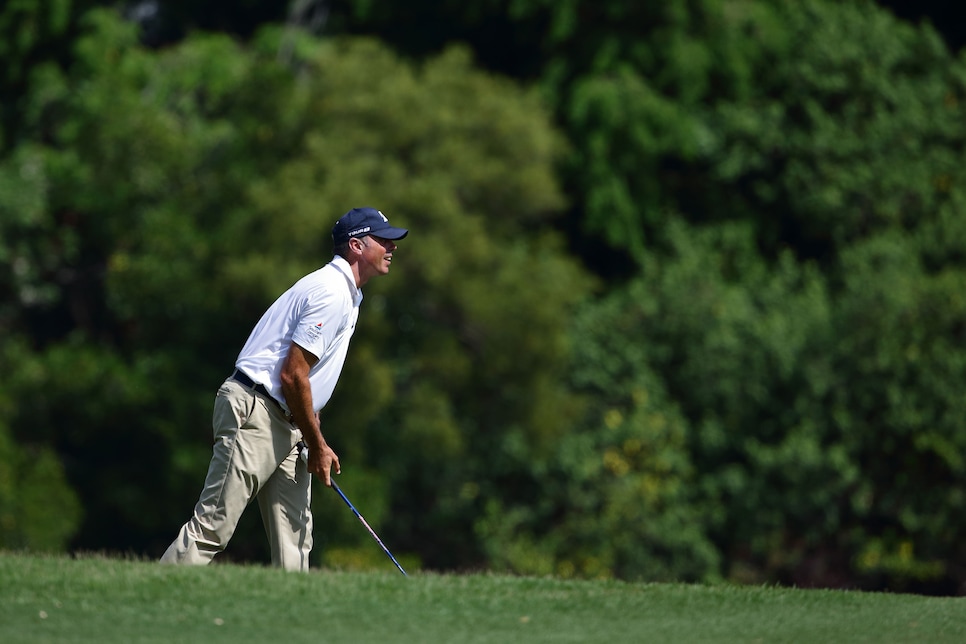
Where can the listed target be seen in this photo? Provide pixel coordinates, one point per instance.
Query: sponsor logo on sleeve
(314, 332)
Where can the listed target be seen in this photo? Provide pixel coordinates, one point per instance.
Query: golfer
(284, 376)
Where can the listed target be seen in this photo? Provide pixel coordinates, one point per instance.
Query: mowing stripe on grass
(60, 599)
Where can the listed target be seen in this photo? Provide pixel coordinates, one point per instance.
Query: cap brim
(391, 233)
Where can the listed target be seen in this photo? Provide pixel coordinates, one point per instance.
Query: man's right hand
(322, 461)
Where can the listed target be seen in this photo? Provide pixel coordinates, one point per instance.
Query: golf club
(304, 453)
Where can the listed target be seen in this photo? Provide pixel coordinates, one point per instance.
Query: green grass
(59, 599)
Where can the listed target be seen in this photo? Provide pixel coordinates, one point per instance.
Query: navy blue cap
(360, 222)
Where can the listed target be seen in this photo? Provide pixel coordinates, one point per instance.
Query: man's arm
(298, 397)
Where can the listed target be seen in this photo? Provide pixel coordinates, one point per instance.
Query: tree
(619, 494)
(212, 187)
(38, 509)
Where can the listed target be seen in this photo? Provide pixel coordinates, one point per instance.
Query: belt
(239, 376)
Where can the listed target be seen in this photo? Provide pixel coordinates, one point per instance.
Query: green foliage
(825, 131)
(30, 244)
(617, 496)
(770, 392)
(634, 87)
(622, 129)
(897, 361)
(39, 511)
(822, 135)
(34, 36)
(820, 421)
(211, 188)
(828, 138)
(731, 337)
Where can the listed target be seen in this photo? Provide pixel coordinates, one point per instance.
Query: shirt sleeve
(319, 323)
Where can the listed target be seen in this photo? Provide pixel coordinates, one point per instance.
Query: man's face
(377, 254)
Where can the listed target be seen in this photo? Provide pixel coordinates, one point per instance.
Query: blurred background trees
(683, 299)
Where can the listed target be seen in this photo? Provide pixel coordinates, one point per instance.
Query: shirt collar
(342, 265)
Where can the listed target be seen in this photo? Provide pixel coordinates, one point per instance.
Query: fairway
(59, 599)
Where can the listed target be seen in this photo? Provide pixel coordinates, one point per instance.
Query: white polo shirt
(318, 313)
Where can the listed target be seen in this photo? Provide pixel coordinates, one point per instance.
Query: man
(283, 377)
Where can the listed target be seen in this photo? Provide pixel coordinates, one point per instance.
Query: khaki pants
(254, 456)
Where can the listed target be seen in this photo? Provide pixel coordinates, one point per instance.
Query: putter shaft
(335, 486)
(304, 454)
